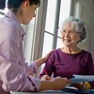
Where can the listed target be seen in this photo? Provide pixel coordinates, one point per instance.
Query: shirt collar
(12, 16)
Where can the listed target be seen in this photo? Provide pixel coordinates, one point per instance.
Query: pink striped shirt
(12, 71)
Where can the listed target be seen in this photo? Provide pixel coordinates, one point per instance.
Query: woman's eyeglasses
(68, 32)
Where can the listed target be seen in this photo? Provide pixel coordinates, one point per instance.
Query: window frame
(55, 33)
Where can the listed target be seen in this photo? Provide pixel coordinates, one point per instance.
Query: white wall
(86, 8)
(92, 34)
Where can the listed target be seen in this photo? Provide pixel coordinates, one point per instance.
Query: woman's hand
(57, 83)
(46, 77)
(40, 61)
(47, 55)
(79, 86)
(60, 83)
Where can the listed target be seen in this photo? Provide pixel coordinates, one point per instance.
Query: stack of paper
(82, 78)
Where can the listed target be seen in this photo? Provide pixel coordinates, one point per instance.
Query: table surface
(64, 91)
(46, 92)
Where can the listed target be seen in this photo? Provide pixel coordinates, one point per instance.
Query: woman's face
(69, 36)
(28, 12)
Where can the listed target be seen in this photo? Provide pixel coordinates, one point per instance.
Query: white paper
(82, 78)
(71, 87)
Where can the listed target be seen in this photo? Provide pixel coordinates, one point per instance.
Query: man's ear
(26, 4)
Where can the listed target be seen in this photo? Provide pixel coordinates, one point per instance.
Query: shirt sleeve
(90, 69)
(11, 73)
(31, 68)
(49, 66)
(88, 86)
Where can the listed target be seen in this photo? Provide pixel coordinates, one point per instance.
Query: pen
(45, 72)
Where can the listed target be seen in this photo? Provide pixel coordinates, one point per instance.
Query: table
(44, 92)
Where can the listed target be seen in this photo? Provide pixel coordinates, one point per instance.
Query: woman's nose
(34, 15)
(67, 34)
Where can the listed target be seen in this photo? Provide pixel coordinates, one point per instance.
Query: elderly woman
(70, 59)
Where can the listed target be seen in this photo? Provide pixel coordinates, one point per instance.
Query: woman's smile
(67, 40)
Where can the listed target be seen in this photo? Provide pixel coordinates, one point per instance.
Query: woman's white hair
(78, 25)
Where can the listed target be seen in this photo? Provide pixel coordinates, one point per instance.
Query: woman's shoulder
(56, 50)
(86, 53)
(8, 23)
(8, 28)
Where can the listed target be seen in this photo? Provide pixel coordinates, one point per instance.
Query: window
(29, 40)
(55, 16)
(3, 12)
(64, 13)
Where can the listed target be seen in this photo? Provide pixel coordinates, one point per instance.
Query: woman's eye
(64, 31)
(70, 32)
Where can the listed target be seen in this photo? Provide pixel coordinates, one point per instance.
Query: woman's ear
(26, 4)
(80, 38)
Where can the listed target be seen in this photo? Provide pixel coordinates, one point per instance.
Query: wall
(92, 34)
(86, 8)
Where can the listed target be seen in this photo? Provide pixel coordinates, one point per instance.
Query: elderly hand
(79, 86)
(46, 77)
